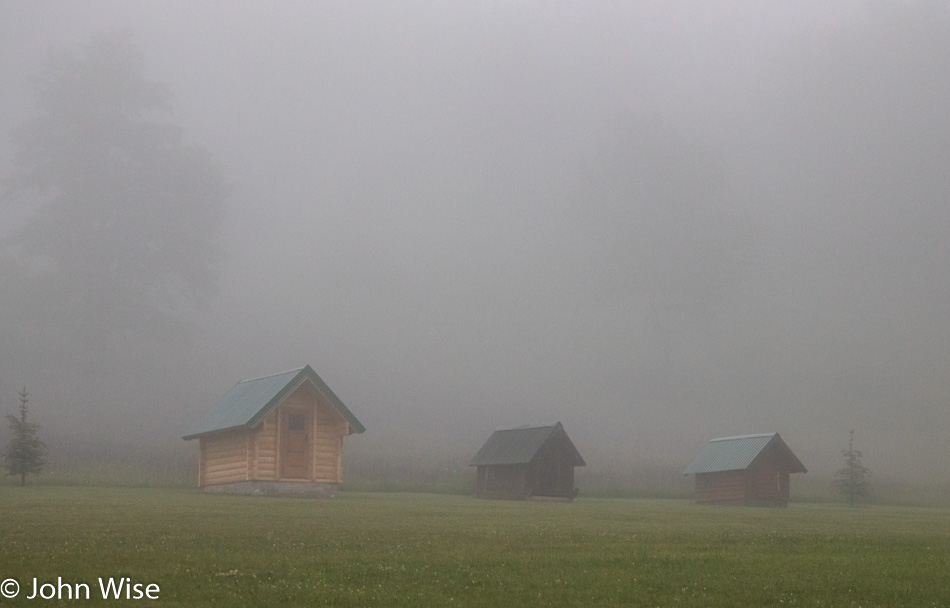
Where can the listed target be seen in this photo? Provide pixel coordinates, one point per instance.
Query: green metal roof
(520, 445)
(737, 453)
(249, 401)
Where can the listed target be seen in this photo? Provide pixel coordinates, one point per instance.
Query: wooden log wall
(265, 447)
(330, 427)
(223, 458)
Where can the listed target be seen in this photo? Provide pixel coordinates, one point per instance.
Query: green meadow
(399, 549)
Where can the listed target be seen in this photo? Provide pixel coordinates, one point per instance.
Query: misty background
(656, 223)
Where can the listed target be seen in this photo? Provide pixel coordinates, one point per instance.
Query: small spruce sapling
(26, 453)
(852, 479)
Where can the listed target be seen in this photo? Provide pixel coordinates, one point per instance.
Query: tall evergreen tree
(852, 479)
(122, 215)
(26, 453)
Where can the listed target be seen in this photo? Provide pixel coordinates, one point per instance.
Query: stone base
(301, 489)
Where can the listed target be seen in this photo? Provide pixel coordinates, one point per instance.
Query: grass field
(387, 549)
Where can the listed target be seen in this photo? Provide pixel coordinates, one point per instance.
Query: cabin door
(295, 445)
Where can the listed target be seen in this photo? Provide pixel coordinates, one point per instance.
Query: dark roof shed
(521, 445)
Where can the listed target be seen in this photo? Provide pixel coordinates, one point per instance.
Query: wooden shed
(276, 435)
(527, 462)
(749, 470)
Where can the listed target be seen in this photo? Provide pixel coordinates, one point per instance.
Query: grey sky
(656, 224)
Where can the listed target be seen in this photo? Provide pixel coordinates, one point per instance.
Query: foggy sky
(655, 224)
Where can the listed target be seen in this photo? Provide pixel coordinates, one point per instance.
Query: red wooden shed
(749, 470)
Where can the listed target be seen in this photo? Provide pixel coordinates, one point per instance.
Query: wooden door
(295, 445)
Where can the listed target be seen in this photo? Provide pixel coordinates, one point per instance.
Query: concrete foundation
(301, 489)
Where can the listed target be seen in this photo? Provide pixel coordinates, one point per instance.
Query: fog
(656, 224)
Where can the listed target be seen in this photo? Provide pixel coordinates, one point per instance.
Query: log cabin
(747, 470)
(277, 435)
(527, 462)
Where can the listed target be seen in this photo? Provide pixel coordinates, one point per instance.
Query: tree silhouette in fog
(852, 479)
(119, 237)
(26, 454)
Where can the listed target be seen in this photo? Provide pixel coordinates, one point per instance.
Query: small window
(295, 422)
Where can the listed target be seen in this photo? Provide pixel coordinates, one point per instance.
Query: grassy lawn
(377, 549)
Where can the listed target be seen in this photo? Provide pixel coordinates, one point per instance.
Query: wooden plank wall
(223, 458)
(725, 487)
(507, 482)
(766, 484)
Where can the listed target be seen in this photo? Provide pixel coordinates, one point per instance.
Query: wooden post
(201, 462)
(251, 455)
(313, 439)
